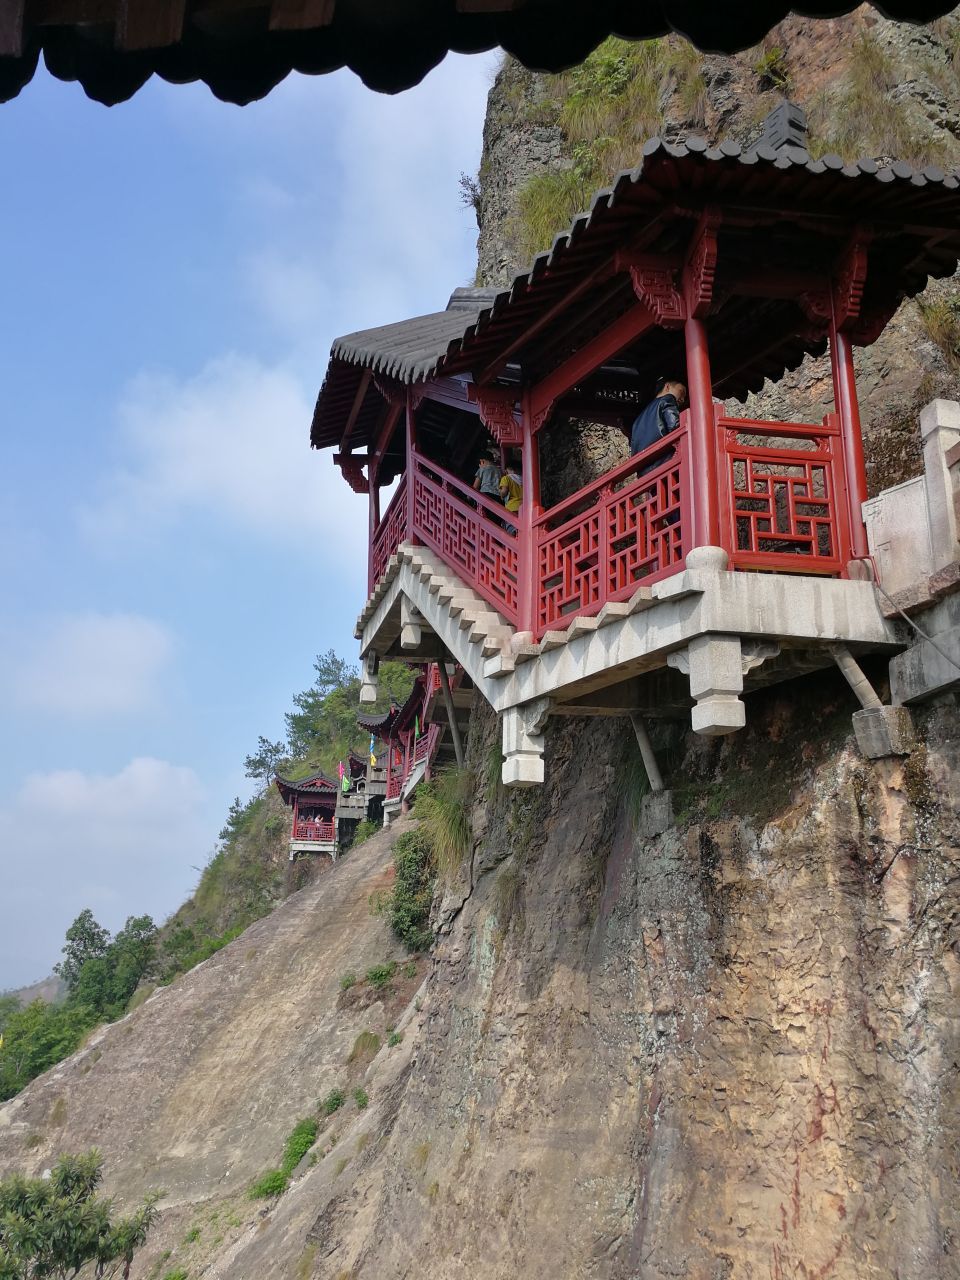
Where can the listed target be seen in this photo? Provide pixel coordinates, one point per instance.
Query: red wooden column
(296, 811)
(703, 438)
(528, 592)
(411, 453)
(848, 408)
(373, 486)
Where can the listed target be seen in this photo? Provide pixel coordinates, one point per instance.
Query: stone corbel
(497, 408)
(523, 730)
(369, 678)
(716, 665)
(410, 624)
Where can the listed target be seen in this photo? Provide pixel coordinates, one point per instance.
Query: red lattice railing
(467, 530)
(783, 495)
(390, 533)
(625, 529)
(426, 744)
(314, 831)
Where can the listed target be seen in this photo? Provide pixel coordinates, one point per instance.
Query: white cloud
(121, 844)
(388, 237)
(89, 664)
(230, 443)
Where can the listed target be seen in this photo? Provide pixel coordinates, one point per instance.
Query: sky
(172, 554)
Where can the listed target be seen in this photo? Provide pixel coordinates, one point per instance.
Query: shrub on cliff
(409, 904)
(54, 1226)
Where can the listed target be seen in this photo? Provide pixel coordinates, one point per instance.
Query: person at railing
(487, 479)
(511, 490)
(659, 417)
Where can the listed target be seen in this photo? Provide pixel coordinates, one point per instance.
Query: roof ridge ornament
(785, 126)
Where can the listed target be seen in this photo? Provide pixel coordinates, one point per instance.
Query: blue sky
(172, 554)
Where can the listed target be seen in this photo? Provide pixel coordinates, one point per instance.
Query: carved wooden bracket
(539, 418)
(497, 406)
(850, 278)
(656, 288)
(701, 265)
(352, 467)
(846, 296)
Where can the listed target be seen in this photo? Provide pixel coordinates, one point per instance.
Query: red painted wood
(783, 500)
(411, 421)
(848, 407)
(610, 537)
(705, 530)
(391, 532)
(603, 347)
(463, 527)
(311, 830)
(530, 509)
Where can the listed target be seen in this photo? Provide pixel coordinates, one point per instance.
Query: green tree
(264, 762)
(86, 940)
(36, 1038)
(50, 1228)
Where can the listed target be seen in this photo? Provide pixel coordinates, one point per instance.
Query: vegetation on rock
(54, 1226)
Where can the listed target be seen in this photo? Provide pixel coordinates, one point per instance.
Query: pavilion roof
(384, 723)
(782, 198)
(243, 48)
(317, 787)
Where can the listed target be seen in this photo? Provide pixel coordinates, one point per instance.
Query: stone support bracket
(523, 741)
(716, 665)
(411, 624)
(369, 678)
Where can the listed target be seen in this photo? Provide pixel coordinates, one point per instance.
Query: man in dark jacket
(659, 417)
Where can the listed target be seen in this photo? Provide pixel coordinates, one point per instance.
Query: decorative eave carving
(701, 265)
(351, 465)
(656, 288)
(849, 281)
(497, 407)
(845, 297)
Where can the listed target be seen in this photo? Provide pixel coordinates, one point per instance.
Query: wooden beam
(355, 408)
(452, 391)
(11, 29)
(383, 439)
(301, 15)
(154, 25)
(575, 368)
(597, 276)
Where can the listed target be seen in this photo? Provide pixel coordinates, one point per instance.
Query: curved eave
(241, 49)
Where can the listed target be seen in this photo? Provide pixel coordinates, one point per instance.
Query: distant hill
(49, 989)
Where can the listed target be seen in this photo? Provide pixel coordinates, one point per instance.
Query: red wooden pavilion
(313, 801)
(729, 264)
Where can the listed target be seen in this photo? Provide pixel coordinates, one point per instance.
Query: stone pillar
(369, 677)
(713, 663)
(523, 743)
(940, 433)
(410, 623)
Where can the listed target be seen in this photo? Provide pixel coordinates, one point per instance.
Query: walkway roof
(242, 48)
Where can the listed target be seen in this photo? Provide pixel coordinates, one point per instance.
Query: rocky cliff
(729, 1052)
